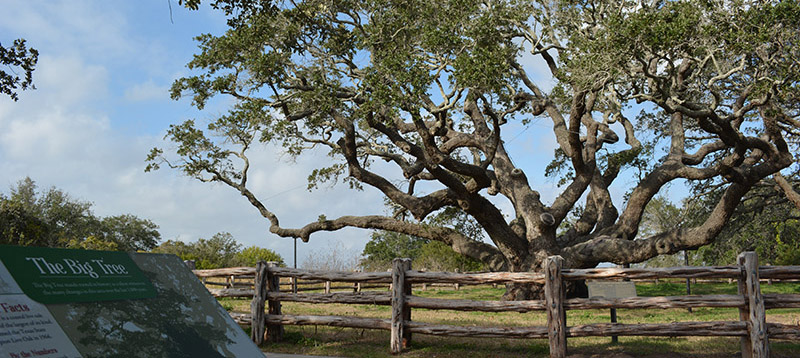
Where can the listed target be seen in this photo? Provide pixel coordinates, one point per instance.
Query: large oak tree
(682, 90)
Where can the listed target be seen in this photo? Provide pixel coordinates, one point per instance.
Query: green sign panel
(62, 276)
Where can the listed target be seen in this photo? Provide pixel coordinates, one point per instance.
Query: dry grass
(346, 342)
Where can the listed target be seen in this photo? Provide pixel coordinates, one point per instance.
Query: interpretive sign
(61, 276)
(176, 318)
(611, 289)
(27, 329)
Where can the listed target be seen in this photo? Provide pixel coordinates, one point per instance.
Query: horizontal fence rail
(265, 288)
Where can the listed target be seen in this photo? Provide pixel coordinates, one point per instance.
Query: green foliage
(92, 243)
(250, 256)
(661, 215)
(764, 222)
(426, 254)
(300, 58)
(21, 227)
(459, 221)
(427, 86)
(385, 246)
(177, 248)
(787, 248)
(437, 256)
(221, 250)
(54, 219)
(17, 57)
(129, 232)
(559, 168)
(666, 29)
(218, 251)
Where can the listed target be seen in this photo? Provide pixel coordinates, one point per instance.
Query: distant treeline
(52, 218)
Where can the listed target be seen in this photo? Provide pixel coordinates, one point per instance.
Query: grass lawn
(348, 342)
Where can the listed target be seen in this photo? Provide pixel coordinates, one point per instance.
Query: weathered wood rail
(239, 282)
(752, 327)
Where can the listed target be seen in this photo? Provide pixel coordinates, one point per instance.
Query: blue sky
(102, 102)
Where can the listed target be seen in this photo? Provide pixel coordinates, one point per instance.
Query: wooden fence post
(756, 344)
(406, 310)
(744, 312)
(401, 313)
(257, 304)
(357, 285)
(554, 300)
(274, 331)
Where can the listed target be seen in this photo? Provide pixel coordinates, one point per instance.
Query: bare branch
(787, 189)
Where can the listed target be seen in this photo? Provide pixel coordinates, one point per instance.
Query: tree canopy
(52, 218)
(671, 91)
(427, 254)
(221, 250)
(385, 246)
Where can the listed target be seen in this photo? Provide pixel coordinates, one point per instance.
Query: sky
(101, 103)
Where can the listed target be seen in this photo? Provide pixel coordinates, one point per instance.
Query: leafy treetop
(429, 88)
(52, 218)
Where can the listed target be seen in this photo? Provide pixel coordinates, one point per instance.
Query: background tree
(221, 250)
(332, 257)
(20, 227)
(662, 215)
(218, 251)
(130, 232)
(52, 218)
(787, 238)
(17, 58)
(766, 222)
(178, 248)
(437, 256)
(385, 246)
(92, 242)
(251, 255)
(431, 255)
(431, 88)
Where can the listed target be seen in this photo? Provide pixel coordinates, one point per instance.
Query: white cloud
(90, 28)
(67, 81)
(146, 91)
(44, 124)
(51, 135)
(99, 79)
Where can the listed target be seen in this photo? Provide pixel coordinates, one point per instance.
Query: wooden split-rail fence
(267, 320)
(239, 281)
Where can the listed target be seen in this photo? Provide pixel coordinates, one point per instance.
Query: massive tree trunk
(518, 292)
